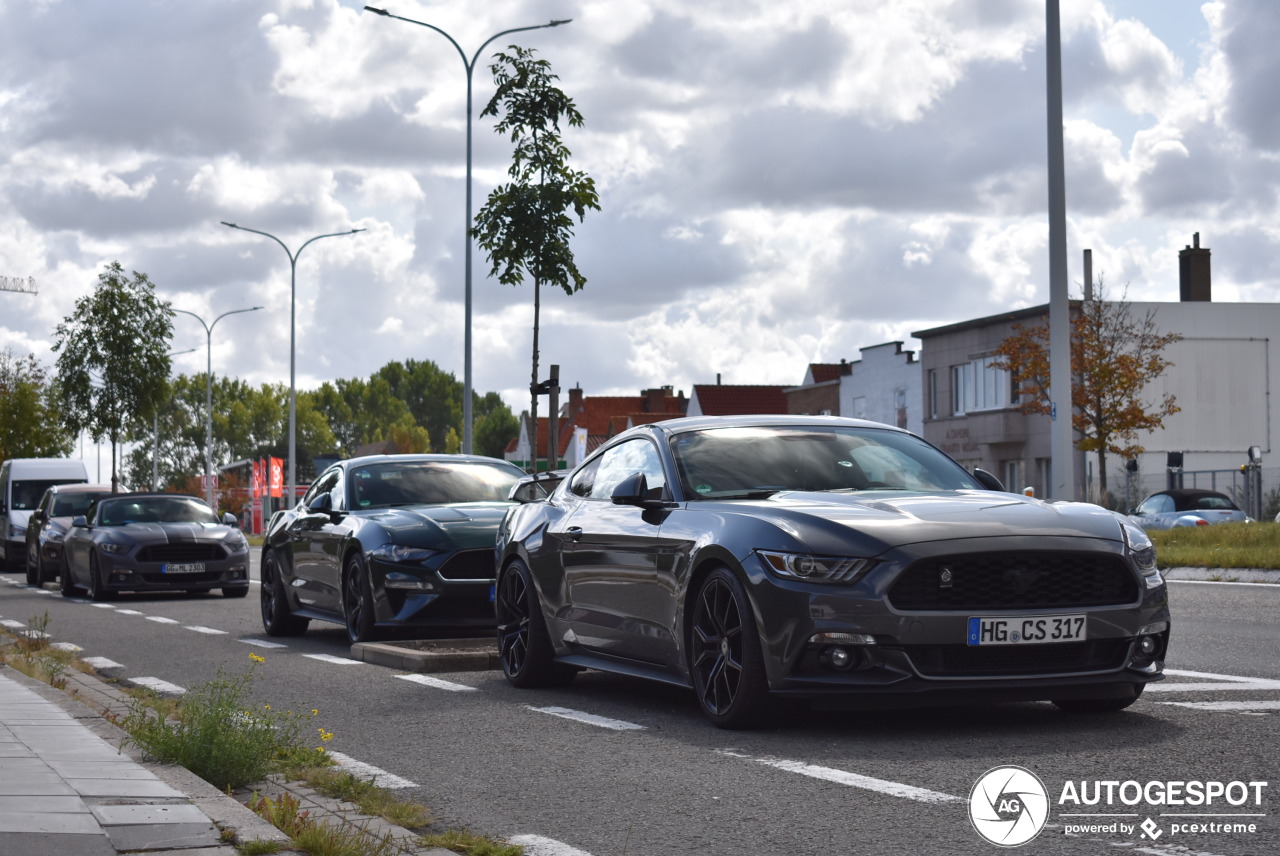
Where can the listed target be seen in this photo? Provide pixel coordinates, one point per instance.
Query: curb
(436, 655)
(1224, 575)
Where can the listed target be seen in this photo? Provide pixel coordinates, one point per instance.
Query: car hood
(173, 533)
(473, 524)
(891, 519)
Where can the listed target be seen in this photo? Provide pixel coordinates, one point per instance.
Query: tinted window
(324, 484)
(629, 458)
(27, 494)
(153, 509)
(1160, 503)
(74, 504)
(385, 485)
(584, 478)
(737, 462)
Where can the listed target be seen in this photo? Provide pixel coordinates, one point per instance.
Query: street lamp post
(293, 343)
(208, 394)
(469, 65)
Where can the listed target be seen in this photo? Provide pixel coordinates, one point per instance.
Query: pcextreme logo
(1008, 806)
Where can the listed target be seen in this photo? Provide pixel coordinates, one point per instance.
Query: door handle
(574, 533)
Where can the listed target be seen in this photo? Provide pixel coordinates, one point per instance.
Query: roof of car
(382, 459)
(1187, 492)
(78, 487)
(695, 423)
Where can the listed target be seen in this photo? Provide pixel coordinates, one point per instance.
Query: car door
(314, 544)
(617, 570)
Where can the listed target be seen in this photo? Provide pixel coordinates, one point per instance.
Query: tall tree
(113, 357)
(1114, 358)
(29, 424)
(525, 226)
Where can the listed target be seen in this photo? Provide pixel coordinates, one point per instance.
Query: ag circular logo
(1008, 806)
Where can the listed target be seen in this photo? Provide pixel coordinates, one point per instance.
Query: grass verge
(1223, 545)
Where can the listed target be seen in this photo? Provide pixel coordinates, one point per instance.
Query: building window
(933, 393)
(979, 385)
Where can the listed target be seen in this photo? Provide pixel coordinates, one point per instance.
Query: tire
(357, 601)
(725, 660)
(277, 620)
(238, 591)
(43, 574)
(524, 646)
(97, 588)
(65, 583)
(1098, 705)
(33, 569)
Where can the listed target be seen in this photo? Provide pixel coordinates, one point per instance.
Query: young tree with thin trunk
(113, 358)
(1115, 356)
(525, 224)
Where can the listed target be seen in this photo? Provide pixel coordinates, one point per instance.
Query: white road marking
(209, 631)
(103, 663)
(12, 624)
(853, 780)
(263, 643)
(536, 845)
(105, 606)
(44, 591)
(159, 619)
(160, 686)
(380, 777)
(67, 646)
(128, 612)
(1226, 682)
(329, 658)
(437, 683)
(588, 718)
(1228, 705)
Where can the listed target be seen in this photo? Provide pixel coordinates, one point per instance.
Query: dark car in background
(388, 542)
(48, 525)
(146, 542)
(1167, 509)
(836, 562)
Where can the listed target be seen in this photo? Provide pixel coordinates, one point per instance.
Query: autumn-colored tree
(1114, 358)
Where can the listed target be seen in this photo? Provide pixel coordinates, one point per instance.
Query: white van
(23, 482)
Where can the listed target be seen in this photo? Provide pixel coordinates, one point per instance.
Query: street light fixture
(208, 395)
(470, 65)
(293, 342)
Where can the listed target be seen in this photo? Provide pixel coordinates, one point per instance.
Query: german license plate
(493, 593)
(1025, 629)
(183, 568)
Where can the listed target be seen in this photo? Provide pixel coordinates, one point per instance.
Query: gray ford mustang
(154, 542)
(838, 562)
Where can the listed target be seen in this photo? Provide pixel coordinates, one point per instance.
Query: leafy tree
(525, 226)
(1114, 357)
(112, 351)
(495, 426)
(29, 424)
(433, 396)
(405, 437)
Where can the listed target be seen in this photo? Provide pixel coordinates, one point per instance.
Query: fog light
(841, 639)
(839, 659)
(1147, 645)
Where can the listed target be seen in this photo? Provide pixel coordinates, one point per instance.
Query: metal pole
(1063, 475)
(469, 65)
(293, 343)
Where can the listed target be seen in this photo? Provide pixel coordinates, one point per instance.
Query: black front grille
(1014, 581)
(1000, 660)
(190, 551)
(469, 565)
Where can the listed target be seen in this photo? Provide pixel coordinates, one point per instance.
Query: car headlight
(109, 547)
(17, 531)
(54, 536)
(815, 569)
(1143, 553)
(236, 541)
(401, 553)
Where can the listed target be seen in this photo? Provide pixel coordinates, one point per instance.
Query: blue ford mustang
(832, 561)
(388, 542)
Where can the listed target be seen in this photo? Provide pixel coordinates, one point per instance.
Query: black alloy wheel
(524, 646)
(1098, 705)
(357, 601)
(97, 586)
(724, 655)
(277, 620)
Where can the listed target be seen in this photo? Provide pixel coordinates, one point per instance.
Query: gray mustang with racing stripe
(154, 542)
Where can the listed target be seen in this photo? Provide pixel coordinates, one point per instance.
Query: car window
(1216, 503)
(1159, 504)
(626, 459)
(74, 504)
(437, 482)
(747, 461)
(27, 494)
(584, 478)
(325, 484)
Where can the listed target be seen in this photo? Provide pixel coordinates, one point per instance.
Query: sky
(780, 183)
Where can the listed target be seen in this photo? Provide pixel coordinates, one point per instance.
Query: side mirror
(323, 504)
(987, 480)
(229, 519)
(634, 490)
(80, 521)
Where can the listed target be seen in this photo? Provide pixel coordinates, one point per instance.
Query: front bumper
(453, 590)
(125, 572)
(849, 645)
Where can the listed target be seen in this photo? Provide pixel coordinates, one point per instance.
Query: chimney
(1193, 273)
(655, 399)
(575, 402)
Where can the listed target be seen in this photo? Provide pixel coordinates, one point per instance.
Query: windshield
(75, 504)
(430, 483)
(747, 462)
(153, 509)
(27, 494)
